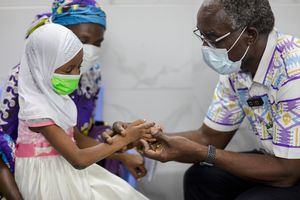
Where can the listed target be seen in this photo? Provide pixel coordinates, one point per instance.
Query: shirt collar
(264, 64)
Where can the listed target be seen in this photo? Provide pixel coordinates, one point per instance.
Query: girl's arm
(133, 162)
(82, 158)
(84, 141)
(8, 184)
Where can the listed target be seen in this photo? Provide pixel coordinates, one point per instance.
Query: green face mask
(64, 84)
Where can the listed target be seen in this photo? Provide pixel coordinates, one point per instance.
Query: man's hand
(135, 164)
(174, 148)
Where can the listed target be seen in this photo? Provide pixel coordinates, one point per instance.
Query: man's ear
(252, 35)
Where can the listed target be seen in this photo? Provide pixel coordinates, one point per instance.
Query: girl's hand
(147, 137)
(135, 164)
(107, 136)
(119, 128)
(138, 130)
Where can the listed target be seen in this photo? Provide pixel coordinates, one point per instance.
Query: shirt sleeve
(225, 112)
(9, 105)
(39, 122)
(286, 124)
(7, 151)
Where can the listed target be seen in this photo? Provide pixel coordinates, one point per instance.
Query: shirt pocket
(263, 118)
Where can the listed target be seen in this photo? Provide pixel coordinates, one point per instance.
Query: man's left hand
(174, 148)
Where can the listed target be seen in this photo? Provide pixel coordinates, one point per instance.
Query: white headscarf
(48, 48)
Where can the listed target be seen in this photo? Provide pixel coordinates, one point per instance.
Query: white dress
(42, 174)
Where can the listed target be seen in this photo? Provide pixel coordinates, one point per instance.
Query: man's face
(213, 22)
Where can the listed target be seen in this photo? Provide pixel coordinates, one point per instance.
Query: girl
(47, 154)
(88, 22)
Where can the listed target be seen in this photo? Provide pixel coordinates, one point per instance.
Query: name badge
(255, 102)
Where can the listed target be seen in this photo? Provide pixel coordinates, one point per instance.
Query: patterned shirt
(276, 120)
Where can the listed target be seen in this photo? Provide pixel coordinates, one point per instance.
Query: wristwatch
(211, 156)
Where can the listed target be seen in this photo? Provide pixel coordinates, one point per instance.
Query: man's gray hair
(250, 13)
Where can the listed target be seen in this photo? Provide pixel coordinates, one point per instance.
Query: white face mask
(218, 59)
(91, 55)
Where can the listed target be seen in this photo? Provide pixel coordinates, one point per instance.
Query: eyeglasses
(211, 43)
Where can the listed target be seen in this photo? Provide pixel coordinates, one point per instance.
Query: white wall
(152, 67)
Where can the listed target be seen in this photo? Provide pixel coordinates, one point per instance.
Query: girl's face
(72, 67)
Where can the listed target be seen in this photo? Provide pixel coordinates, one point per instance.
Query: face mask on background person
(64, 84)
(218, 60)
(91, 55)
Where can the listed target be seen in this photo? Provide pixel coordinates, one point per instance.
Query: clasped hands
(141, 132)
(151, 142)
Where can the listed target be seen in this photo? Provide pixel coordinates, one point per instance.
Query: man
(260, 80)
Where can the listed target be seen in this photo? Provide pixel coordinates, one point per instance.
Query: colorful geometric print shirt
(276, 120)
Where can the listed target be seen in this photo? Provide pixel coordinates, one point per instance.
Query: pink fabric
(32, 144)
(34, 150)
(42, 124)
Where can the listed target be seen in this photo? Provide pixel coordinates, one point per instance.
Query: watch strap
(211, 156)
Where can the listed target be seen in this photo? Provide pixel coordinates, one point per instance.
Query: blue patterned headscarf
(70, 12)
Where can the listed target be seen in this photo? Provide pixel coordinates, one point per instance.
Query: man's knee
(199, 175)
(270, 193)
(193, 182)
(204, 182)
(255, 195)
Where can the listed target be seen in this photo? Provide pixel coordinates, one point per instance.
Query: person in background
(88, 22)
